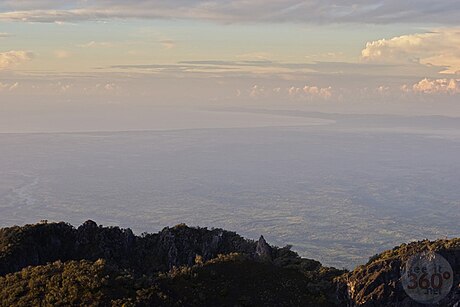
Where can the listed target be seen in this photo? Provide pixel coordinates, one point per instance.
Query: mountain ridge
(58, 264)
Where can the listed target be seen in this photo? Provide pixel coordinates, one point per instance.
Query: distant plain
(339, 188)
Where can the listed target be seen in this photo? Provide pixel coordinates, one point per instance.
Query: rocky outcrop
(172, 247)
(263, 250)
(34, 245)
(56, 264)
(378, 283)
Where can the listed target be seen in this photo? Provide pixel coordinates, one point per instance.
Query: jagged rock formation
(378, 283)
(263, 250)
(43, 243)
(95, 265)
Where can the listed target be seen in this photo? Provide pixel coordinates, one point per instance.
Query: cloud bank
(437, 86)
(437, 48)
(229, 11)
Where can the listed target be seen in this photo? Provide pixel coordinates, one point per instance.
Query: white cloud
(305, 93)
(257, 91)
(13, 57)
(310, 92)
(383, 90)
(436, 86)
(437, 48)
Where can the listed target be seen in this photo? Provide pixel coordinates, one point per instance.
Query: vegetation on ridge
(56, 265)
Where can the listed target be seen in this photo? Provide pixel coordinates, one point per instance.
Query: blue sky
(270, 53)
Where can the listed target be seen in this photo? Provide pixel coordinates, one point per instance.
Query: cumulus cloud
(437, 48)
(310, 92)
(436, 86)
(304, 93)
(257, 91)
(13, 57)
(311, 11)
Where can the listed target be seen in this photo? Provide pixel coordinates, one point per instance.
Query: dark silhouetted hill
(55, 264)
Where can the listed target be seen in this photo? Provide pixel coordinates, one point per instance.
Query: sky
(90, 57)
